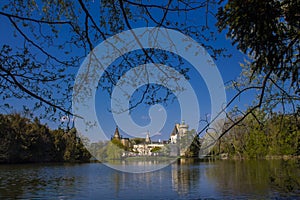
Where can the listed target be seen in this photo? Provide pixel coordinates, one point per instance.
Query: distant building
(148, 140)
(146, 147)
(173, 136)
(117, 134)
(124, 141)
(179, 139)
(178, 132)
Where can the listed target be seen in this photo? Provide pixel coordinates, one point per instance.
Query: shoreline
(179, 159)
(268, 157)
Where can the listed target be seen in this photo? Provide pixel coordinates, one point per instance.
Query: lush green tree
(262, 135)
(22, 140)
(269, 32)
(189, 144)
(156, 150)
(98, 150)
(74, 149)
(138, 140)
(8, 138)
(284, 135)
(114, 149)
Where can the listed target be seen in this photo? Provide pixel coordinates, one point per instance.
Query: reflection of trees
(255, 176)
(239, 177)
(184, 177)
(30, 181)
(287, 179)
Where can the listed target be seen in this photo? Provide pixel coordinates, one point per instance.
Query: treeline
(262, 135)
(23, 140)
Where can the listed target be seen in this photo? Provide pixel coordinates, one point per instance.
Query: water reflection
(179, 177)
(184, 176)
(141, 185)
(25, 180)
(286, 179)
(185, 179)
(256, 177)
(139, 165)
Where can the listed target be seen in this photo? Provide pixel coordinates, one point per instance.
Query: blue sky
(229, 69)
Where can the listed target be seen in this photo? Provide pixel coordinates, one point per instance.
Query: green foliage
(267, 30)
(138, 140)
(22, 140)
(190, 144)
(114, 149)
(261, 136)
(98, 150)
(156, 149)
(107, 150)
(193, 150)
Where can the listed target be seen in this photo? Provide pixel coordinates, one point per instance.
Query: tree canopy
(269, 32)
(23, 140)
(275, 136)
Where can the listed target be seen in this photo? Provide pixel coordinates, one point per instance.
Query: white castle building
(146, 147)
(178, 132)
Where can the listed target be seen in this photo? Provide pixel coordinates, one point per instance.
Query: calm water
(186, 180)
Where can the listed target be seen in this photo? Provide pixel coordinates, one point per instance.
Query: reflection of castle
(146, 147)
(184, 177)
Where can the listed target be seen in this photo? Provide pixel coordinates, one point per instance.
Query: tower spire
(148, 140)
(117, 134)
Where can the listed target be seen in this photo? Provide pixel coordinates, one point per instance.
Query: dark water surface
(255, 179)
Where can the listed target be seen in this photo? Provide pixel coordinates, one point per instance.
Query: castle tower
(117, 134)
(183, 128)
(174, 134)
(147, 140)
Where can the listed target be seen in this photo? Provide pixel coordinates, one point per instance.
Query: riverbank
(268, 157)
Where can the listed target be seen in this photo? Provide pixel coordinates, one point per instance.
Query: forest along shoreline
(261, 136)
(28, 141)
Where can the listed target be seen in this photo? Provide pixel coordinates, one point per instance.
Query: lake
(185, 179)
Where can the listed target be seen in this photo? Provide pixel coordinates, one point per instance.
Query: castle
(178, 132)
(146, 147)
